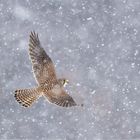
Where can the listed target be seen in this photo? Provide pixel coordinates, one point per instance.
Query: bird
(48, 85)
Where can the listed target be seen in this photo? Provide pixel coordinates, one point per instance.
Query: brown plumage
(48, 84)
(26, 96)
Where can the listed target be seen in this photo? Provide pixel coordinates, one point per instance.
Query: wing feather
(60, 98)
(42, 64)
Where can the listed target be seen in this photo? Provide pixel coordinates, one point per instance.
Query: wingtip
(81, 105)
(34, 34)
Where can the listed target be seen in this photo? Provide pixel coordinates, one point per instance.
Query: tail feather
(26, 97)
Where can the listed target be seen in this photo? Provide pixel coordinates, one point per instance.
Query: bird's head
(63, 81)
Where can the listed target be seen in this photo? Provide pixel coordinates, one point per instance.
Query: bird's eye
(64, 82)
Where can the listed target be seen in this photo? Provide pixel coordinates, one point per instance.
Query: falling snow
(96, 46)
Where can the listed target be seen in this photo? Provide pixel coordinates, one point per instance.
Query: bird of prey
(49, 85)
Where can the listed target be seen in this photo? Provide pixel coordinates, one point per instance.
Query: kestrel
(44, 72)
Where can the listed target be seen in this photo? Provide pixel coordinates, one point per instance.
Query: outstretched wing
(59, 97)
(42, 64)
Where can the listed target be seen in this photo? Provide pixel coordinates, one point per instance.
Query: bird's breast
(57, 89)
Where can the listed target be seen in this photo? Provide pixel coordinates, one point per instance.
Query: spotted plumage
(44, 72)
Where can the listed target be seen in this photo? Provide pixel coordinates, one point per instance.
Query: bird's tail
(26, 97)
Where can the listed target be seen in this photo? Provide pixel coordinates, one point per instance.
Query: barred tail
(26, 97)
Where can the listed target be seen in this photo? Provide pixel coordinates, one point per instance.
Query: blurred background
(93, 43)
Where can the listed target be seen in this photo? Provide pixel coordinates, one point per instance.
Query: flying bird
(49, 85)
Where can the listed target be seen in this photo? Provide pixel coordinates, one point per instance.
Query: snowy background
(93, 43)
